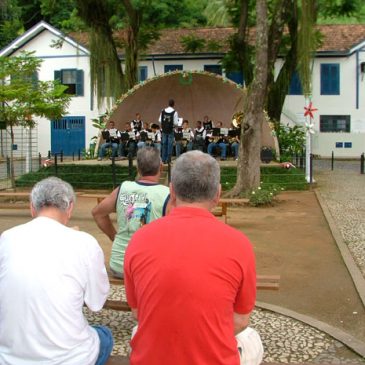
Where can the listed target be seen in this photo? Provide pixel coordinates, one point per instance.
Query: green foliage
(272, 177)
(21, 99)
(264, 196)
(80, 176)
(192, 44)
(291, 141)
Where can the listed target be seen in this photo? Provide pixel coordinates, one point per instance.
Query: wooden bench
(14, 196)
(223, 204)
(263, 282)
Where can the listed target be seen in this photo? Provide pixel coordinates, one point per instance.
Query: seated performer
(144, 138)
(111, 136)
(156, 136)
(199, 136)
(128, 145)
(185, 139)
(137, 124)
(234, 140)
(218, 141)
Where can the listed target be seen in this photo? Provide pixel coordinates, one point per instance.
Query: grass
(271, 176)
(81, 176)
(101, 177)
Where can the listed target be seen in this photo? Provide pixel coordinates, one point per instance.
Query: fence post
(301, 159)
(55, 164)
(311, 168)
(73, 156)
(79, 154)
(114, 178)
(130, 165)
(49, 154)
(39, 160)
(61, 155)
(362, 161)
(8, 166)
(332, 160)
(169, 172)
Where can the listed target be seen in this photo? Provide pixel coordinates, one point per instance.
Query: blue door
(68, 135)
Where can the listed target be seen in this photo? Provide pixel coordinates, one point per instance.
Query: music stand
(216, 132)
(124, 136)
(105, 134)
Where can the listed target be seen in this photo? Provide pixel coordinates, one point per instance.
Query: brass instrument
(237, 119)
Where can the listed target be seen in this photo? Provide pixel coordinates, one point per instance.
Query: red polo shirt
(187, 273)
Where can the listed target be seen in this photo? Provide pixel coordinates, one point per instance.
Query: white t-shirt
(176, 117)
(47, 272)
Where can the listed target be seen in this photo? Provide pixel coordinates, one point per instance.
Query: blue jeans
(167, 146)
(106, 344)
(179, 148)
(235, 147)
(106, 145)
(222, 146)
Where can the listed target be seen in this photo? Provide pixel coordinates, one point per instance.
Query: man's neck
(149, 179)
(208, 205)
(55, 214)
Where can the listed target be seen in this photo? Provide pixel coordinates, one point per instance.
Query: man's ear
(69, 210)
(33, 212)
(218, 195)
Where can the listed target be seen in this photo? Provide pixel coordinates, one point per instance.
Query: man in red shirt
(190, 279)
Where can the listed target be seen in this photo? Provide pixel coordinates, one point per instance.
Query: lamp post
(309, 127)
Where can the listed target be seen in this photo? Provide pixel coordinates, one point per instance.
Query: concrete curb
(351, 342)
(354, 271)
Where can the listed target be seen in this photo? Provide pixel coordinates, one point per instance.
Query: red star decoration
(309, 110)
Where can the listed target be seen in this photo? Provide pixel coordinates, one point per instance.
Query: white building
(338, 83)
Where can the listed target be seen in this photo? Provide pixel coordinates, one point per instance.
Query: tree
(248, 167)
(22, 97)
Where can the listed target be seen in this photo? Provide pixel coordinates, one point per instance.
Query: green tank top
(137, 204)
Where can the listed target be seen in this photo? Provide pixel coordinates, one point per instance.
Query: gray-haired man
(136, 203)
(47, 272)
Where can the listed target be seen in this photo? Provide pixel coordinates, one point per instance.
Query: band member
(207, 123)
(137, 123)
(144, 136)
(128, 145)
(199, 137)
(186, 136)
(156, 136)
(234, 140)
(111, 136)
(219, 141)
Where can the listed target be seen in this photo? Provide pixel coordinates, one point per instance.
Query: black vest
(167, 121)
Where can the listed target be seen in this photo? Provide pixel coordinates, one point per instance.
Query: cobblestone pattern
(285, 340)
(343, 190)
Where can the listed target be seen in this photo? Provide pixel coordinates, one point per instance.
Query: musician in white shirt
(187, 135)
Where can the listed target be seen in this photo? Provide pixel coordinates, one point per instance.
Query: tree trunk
(132, 46)
(248, 168)
(279, 89)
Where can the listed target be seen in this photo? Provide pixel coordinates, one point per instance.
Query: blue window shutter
(143, 73)
(80, 83)
(58, 76)
(330, 79)
(335, 78)
(236, 76)
(295, 87)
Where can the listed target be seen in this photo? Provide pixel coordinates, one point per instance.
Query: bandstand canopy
(196, 94)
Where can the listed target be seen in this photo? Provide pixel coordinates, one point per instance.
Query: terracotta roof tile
(336, 38)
